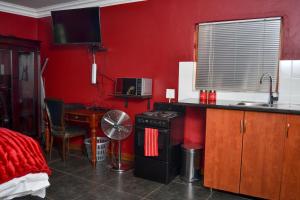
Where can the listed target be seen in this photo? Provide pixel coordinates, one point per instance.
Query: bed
(23, 168)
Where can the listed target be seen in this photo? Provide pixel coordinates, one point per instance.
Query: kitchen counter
(232, 105)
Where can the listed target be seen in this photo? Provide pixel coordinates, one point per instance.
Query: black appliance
(169, 120)
(133, 86)
(76, 26)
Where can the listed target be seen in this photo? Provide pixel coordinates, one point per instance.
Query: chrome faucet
(271, 97)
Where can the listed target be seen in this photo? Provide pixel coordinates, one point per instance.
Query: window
(233, 55)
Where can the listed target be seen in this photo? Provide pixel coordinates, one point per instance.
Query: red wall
(18, 26)
(149, 39)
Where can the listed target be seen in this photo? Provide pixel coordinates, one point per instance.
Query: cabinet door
(262, 160)
(26, 93)
(5, 88)
(223, 147)
(290, 187)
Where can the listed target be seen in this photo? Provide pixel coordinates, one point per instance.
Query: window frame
(196, 53)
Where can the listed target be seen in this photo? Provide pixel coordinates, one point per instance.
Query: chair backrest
(55, 111)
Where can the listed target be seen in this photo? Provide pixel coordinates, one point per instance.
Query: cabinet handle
(242, 126)
(287, 130)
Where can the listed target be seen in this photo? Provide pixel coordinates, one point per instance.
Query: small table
(90, 117)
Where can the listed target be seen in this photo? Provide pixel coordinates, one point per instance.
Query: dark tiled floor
(77, 180)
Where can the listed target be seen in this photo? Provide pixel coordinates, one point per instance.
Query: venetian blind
(233, 55)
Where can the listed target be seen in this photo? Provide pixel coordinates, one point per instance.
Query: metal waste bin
(190, 165)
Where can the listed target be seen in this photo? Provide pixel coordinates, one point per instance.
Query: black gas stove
(161, 114)
(159, 119)
(169, 120)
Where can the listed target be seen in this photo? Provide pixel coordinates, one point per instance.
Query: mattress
(30, 184)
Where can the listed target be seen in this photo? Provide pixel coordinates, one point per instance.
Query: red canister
(203, 96)
(212, 96)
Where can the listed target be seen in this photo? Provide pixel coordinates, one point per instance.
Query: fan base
(122, 168)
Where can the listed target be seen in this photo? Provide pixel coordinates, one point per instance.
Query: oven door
(163, 143)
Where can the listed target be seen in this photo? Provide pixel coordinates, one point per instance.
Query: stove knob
(146, 120)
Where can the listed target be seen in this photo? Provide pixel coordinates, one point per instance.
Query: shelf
(97, 48)
(133, 96)
(126, 97)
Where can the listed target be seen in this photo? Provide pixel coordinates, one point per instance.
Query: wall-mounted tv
(77, 26)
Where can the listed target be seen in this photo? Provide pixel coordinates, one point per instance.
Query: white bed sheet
(30, 184)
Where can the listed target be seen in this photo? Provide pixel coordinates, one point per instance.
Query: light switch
(170, 93)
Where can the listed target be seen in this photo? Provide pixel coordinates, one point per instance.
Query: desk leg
(47, 136)
(93, 126)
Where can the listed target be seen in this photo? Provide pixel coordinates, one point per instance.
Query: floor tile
(178, 191)
(79, 153)
(68, 187)
(128, 183)
(195, 183)
(71, 165)
(218, 195)
(101, 174)
(55, 175)
(76, 179)
(107, 193)
(54, 157)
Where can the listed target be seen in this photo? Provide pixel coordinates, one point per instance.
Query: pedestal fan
(117, 126)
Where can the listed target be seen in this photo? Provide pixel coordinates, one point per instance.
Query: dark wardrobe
(20, 85)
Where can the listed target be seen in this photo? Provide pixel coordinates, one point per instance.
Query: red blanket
(19, 155)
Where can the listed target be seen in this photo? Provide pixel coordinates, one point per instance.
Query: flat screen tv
(77, 26)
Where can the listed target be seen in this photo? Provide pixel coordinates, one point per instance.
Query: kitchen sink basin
(253, 104)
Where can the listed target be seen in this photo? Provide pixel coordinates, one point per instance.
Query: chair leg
(83, 151)
(64, 149)
(51, 145)
(68, 147)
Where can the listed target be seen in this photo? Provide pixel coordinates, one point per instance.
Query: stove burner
(163, 114)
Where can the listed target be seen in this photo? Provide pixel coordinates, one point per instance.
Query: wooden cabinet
(20, 85)
(290, 187)
(223, 149)
(251, 153)
(262, 154)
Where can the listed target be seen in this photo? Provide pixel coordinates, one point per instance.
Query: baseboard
(76, 147)
(125, 156)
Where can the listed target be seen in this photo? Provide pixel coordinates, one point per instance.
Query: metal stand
(117, 164)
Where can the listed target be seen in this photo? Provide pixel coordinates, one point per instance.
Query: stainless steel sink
(253, 104)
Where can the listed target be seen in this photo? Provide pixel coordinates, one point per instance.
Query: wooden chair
(55, 110)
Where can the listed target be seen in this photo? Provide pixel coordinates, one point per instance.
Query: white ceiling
(42, 8)
(36, 3)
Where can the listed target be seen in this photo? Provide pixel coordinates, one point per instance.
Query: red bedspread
(19, 155)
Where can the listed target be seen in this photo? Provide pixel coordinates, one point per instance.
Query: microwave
(133, 86)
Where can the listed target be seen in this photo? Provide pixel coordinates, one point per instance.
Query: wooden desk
(82, 116)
